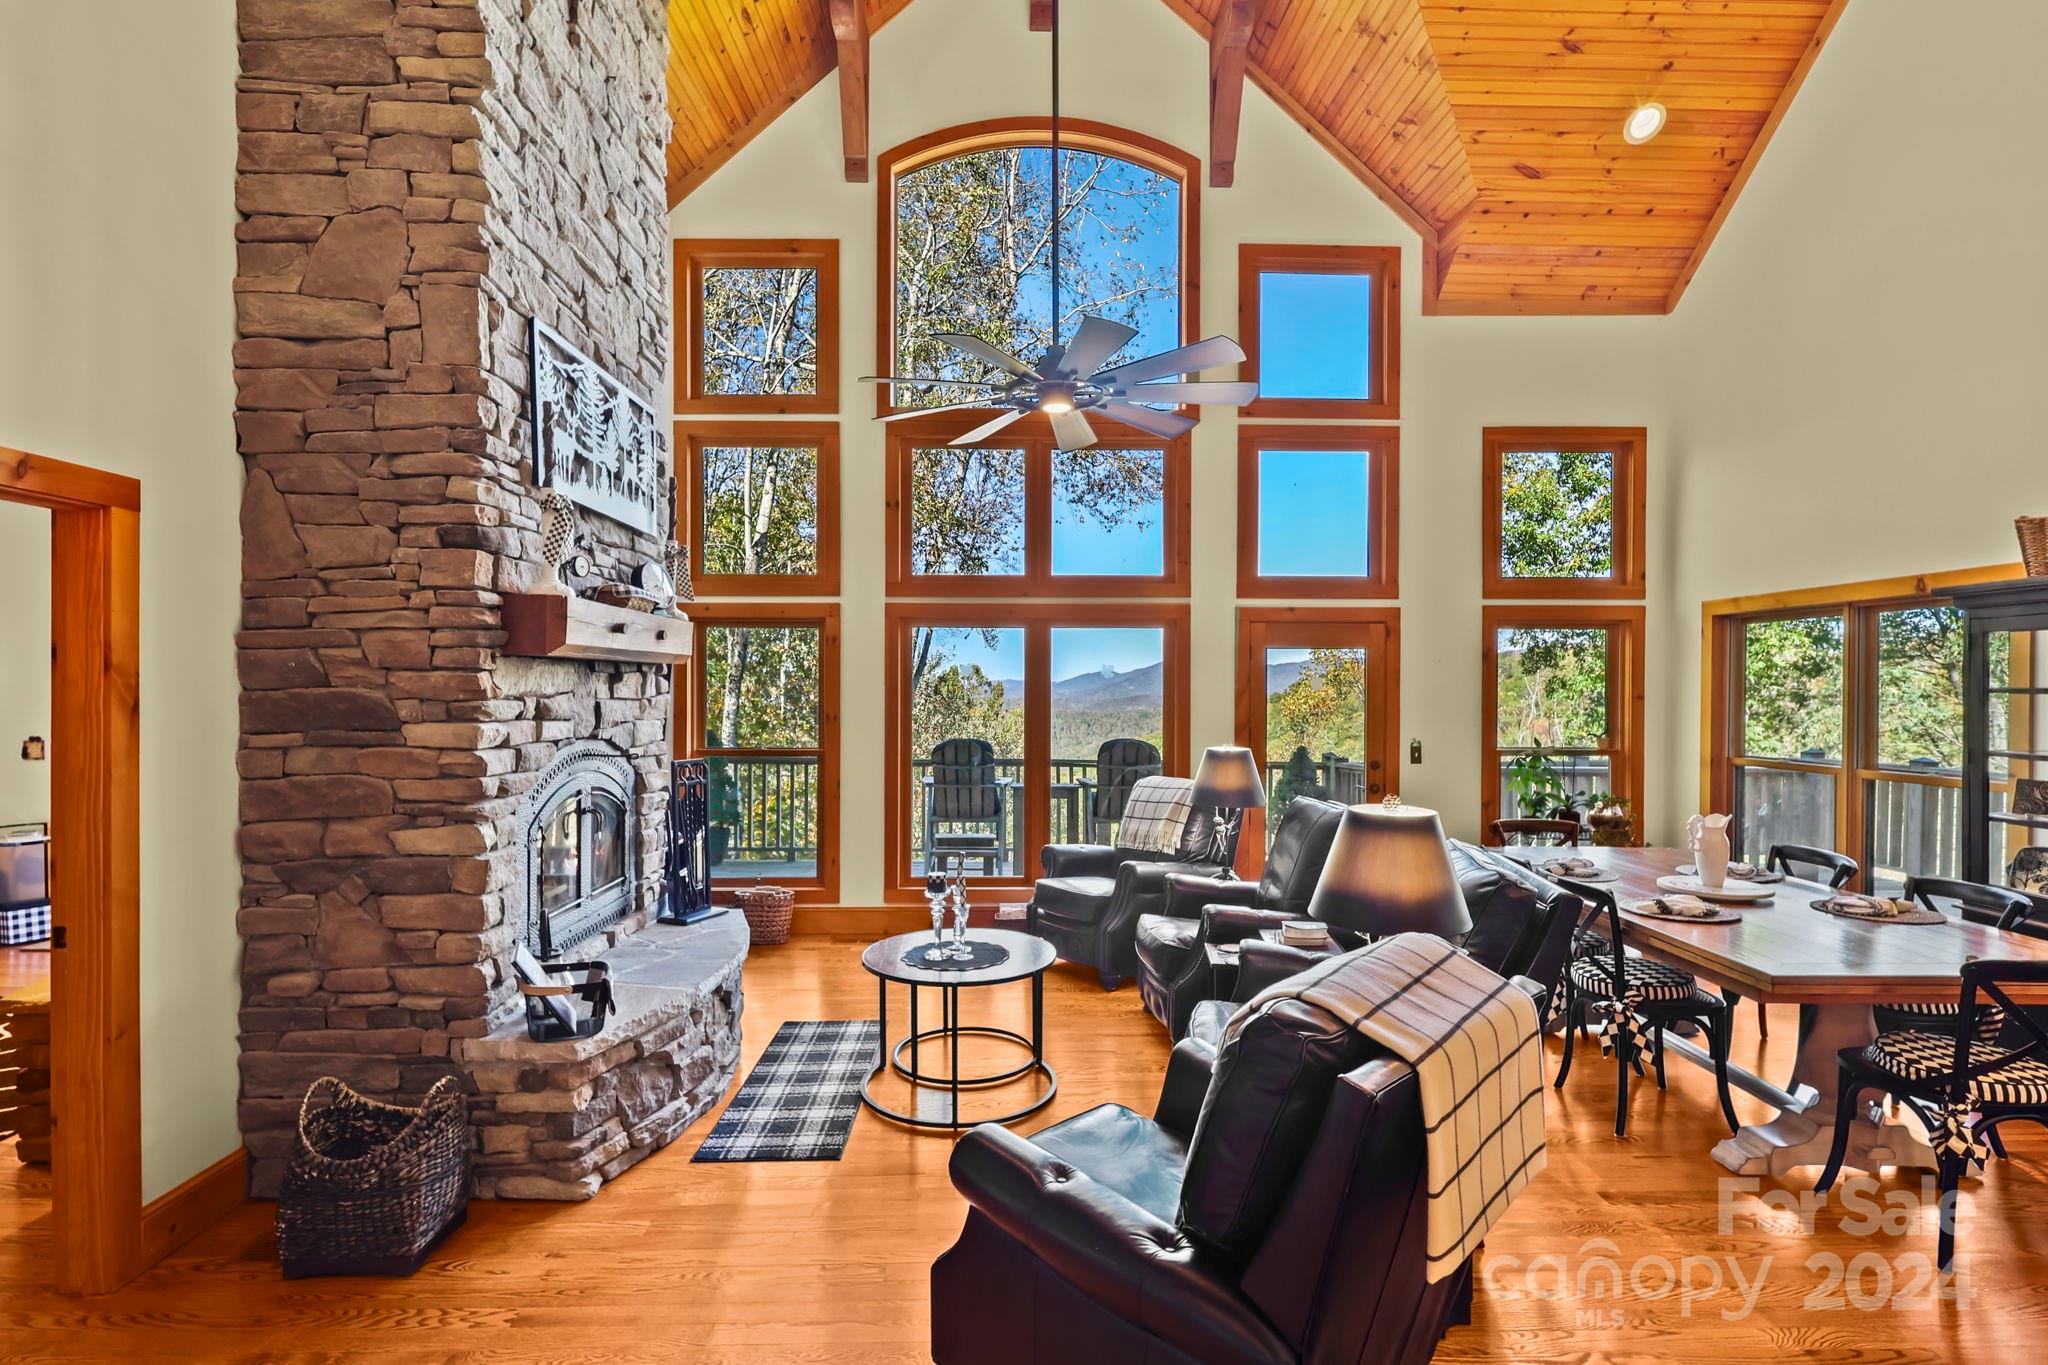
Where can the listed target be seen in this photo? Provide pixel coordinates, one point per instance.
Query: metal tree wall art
(594, 440)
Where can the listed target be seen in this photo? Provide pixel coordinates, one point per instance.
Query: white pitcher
(1708, 837)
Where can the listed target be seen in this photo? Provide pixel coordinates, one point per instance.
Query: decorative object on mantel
(2033, 544)
(593, 438)
(559, 532)
(541, 626)
(686, 881)
(652, 579)
(548, 988)
(769, 910)
(624, 595)
(679, 571)
(372, 1187)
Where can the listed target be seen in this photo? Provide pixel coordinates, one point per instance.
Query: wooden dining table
(1784, 951)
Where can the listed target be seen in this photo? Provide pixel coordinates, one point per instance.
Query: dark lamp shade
(1228, 777)
(1389, 872)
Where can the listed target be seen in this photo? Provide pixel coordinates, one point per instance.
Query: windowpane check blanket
(1156, 813)
(1476, 1045)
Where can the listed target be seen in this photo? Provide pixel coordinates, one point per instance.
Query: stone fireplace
(419, 181)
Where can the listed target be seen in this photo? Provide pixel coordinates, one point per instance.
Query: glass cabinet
(2005, 734)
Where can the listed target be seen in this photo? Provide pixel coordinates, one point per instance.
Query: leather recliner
(1088, 902)
(1272, 1209)
(1173, 943)
(1521, 927)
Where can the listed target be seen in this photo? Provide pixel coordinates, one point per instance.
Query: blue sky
(1312, 512)
(1075, 650)
(1314, 334)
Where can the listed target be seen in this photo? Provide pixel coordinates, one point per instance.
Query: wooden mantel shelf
(541, 625)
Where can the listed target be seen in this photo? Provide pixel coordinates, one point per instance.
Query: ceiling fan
(1073, 380)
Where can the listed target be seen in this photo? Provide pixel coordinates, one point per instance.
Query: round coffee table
(1028, 957)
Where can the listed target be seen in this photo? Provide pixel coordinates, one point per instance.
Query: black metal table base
(946, 1037)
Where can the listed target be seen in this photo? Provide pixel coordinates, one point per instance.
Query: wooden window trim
(1383, 264)
(1085, 135)
(822, 889)
(1631, 487)
(696, 254)
(1382, 445)
(1038, 579)
(1263, 628)
(1722, 660)
(1039, 620)
(692, 437)
(1625, 693)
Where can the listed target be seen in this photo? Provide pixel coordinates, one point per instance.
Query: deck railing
(777, 799)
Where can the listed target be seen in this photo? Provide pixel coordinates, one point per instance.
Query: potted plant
(1537, 790)
(1612, 822)
(721, 801)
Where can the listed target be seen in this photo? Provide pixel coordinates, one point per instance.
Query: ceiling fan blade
(1168, 424)
(1228, 393)
(926, 412)
(929, 379)
(1097, 340)
(1181, 360)
(986, 353)
(1072, 431)
(985, 430)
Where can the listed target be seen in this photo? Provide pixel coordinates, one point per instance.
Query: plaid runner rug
(799, 1101)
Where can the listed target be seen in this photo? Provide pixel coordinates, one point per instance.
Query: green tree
(1550, 688)
(760, 330)
(1792, 686)
(1323, 710)
(1557, 514)
(760, 509)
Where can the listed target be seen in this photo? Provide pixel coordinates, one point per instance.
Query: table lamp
(1228, 783)
(1389, 872)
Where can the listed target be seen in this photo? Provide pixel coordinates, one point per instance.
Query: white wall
(24, 660)
(1860, 384)
(117, 149)
(1135, 64)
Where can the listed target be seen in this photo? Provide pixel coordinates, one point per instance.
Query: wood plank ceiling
(1493, 127)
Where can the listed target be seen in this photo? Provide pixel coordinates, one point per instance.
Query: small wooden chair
(1538, 833)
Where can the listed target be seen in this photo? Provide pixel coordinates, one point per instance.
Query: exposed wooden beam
(1041, 16)
(850, 32)
(1229, 52)
(1756, 150)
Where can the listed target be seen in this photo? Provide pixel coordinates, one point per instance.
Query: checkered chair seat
(1942, 1017)
(1653, 981)
(1917, 1056)
(1589, 943)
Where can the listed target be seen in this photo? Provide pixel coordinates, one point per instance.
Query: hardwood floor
(828, 1261)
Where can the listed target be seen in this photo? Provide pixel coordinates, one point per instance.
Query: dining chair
(1962, 1087)
(1993, 905)
(1537, 833)
(1633, 992)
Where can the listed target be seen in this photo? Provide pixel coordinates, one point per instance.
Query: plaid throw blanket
(1476, 1046)
(1156, 814)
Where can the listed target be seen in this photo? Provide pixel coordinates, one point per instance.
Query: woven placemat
(1653, 909)
(1911, 914)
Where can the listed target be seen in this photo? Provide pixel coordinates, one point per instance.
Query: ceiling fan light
(1055, 398)
(1644, 122)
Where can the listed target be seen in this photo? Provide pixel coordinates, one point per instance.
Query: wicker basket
(372, 1187)
(2033, 544)
(768, 910)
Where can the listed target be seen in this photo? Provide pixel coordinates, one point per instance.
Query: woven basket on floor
(2033, 544)
(768, 910)
(372, 1187)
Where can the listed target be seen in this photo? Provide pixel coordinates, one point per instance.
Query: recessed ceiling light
(1644, 123)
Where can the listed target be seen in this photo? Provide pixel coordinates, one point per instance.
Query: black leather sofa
(1173, 943)
(1272, 1209)
(1088, 902)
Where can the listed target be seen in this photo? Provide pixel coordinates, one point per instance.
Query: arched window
(966, 243)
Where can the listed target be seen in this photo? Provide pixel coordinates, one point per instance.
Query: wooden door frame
(1306, 627)
(99, 1238)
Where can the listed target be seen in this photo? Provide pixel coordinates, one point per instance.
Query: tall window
(1562, 690)
(1838, 723)
(1321, 330)
(1318, 511)
(1563, 512)
(762, 708)
(757, 325)
(970, 240)
(760, 507)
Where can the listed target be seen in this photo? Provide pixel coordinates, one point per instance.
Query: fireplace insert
(579, 840)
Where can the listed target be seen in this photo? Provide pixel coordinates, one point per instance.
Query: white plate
(1731, 890)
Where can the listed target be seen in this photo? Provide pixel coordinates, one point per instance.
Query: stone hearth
(418, 181)
(556, 1120)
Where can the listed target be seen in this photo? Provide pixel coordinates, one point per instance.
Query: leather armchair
(1173, 942)
(1272, 1209)
(1088, 903)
